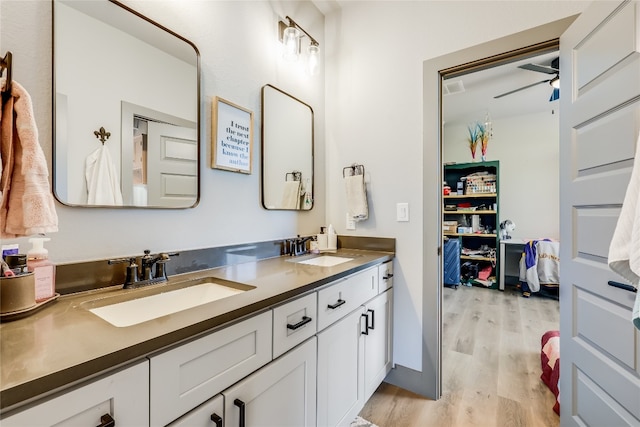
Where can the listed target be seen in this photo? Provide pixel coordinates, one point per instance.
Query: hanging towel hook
(102, 135)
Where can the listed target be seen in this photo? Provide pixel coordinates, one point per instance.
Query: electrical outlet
(402, 212)
(351, 223)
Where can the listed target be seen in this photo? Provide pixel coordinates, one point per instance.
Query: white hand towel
(356, 197)
(624, 250)
(291, 195)
(103, 186)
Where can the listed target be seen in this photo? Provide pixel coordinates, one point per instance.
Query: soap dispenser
(44, 271)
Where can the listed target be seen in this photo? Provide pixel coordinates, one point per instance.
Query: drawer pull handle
(622, 286)
(304, 321)
(388, 276)
(336, 305)
(366, 323)
(107, 421)
(240, 404)
(373, 320)
(217, 419)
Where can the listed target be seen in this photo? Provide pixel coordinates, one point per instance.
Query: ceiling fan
(554, 69)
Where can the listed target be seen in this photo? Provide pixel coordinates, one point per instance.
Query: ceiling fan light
(555, 82)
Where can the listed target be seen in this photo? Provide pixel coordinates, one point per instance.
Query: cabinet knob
(217, 419)
(107, 421)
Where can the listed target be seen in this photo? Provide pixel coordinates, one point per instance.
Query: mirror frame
(56, 113)
(263, 149)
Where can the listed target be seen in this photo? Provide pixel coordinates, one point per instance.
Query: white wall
(374, 107)
(527, 148)
(239, 52)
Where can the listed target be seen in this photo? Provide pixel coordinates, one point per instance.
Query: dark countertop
(64, 343)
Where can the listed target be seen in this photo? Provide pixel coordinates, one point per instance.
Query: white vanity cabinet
(281, 394)
(122, 397)
(186, 376)
(355, 352)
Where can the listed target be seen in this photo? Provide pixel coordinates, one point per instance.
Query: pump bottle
(43, 270)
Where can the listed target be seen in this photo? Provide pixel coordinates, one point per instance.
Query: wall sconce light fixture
(291, 35)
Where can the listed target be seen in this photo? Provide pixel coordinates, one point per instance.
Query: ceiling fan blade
(539, 68)
(522, 88)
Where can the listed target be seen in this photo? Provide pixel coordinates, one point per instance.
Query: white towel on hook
(624, 250)
(103, 187)
(291, 195)
(357, 207)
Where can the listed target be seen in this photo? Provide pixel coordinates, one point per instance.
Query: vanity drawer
(188, 375)
(339, 299)
(385, 276)
(293, 323)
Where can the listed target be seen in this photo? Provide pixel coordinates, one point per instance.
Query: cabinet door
(340, 371)
(281, 394)
(209, 414)
(113, 396)
(377, 342)
(188, 375)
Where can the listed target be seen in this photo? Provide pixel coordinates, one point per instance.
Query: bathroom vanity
(306, 346)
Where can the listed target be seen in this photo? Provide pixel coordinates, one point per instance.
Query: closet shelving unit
(482, 201)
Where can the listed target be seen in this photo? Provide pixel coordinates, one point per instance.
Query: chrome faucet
(145, 276)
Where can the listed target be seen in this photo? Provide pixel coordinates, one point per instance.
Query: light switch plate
(351, 223)
(402, 212)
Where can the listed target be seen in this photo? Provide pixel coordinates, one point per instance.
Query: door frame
(428, 382)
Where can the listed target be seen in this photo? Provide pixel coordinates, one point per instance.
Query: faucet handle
(131, 277)
(162, 259)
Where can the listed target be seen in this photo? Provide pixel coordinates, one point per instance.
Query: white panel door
(172, 165)
(599, 126)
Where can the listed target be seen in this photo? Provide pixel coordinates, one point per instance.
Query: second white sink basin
(326, 261)
(134, 311)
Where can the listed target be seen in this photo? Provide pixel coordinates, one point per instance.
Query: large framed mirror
(287, 151)
(126, 109)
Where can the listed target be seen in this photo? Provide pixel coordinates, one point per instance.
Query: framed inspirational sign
(232, 137)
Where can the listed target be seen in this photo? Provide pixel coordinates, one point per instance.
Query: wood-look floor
(491, 366)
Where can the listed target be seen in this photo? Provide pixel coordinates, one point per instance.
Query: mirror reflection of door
(163, 153)
(172, 165)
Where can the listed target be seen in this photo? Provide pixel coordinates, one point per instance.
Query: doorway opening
(485, 321)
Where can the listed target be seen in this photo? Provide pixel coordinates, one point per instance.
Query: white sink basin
(325, 261)
(134, 311)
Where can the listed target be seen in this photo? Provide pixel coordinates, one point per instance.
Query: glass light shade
(290, 39)
(314, 59)
(555, 82)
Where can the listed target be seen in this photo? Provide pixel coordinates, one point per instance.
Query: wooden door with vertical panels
(599, 126)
